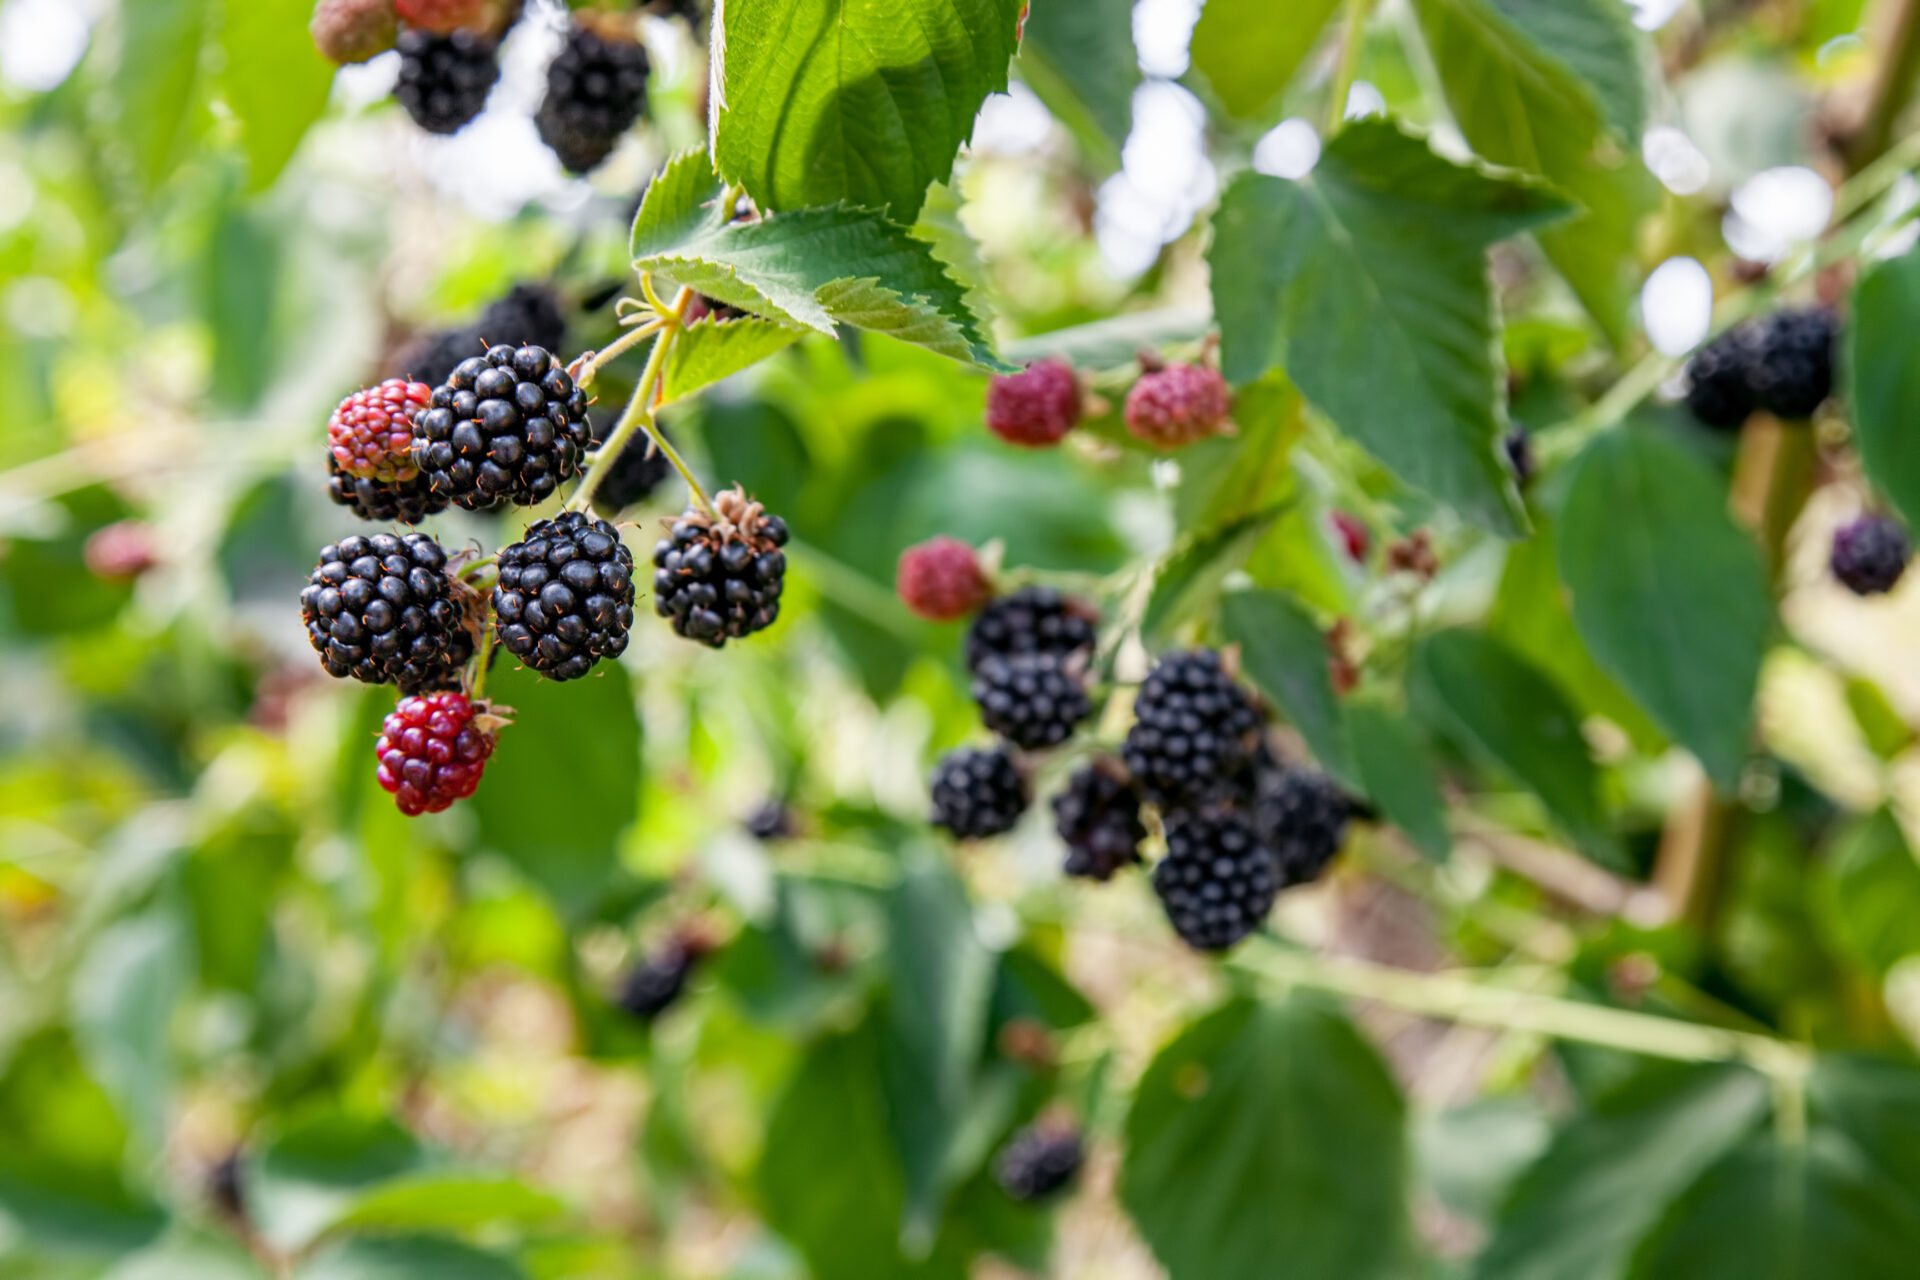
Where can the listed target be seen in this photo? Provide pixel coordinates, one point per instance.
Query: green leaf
(1521, 105)
(406, 1258)
(1265, 1133)
(307, 1177)
(1876, 1103)
(447, 1202)
(1473, 689)
(1248, 56)
(1610, 1173)
(273, 78)
(1884, 380)
(1223, 478)
(243, 259)
(124, 993)
(1469, 1155)
(681, 202)
(1876, 882)
(189, 1258)
(1079, 58)
(819, 101)
(1284, 654)
(1396, 771)
(1378, 262)
(1673, 602)
(709, 350)
(1116, 340)
(540, 754)
(1189, 580)
(1805, 1212)
(155, 86)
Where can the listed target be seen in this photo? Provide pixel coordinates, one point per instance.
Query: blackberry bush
(595, 89)
(1194, 730)
(445, 80)
(565, 596)
(1033, 700)
(384, 609)
(978, 792)
(508, 426)
(1870, 554)
(1098, 817)
(1031, 620)
(432, 751)
(719, 577)
(1039, 1162)
(1218, 880)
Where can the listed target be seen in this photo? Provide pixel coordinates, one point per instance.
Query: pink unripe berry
(353, 30)
(1035, 407)
(942, 580)
(1178, 405)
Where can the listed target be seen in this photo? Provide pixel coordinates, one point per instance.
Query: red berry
(942, 580)
(1036, 406)
(120, 551)
(353, 30)
(371, 431)
(1354, 534)
(432, 752)
(445, 16)
(1178, 405)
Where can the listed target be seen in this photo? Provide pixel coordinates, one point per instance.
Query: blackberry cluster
(1218, 879)
(1194, 729)
(1301, 815)
(1039, 1162)
(432, 751)
(1030, 699)
(384, 610)
(508, 426)
(595, 89)
(720, 579)
(978, 792)
(1098, 817)
(1870, 554)
(406, 501)
(445, 80)
(1030, 620)
(1782, 363)
(565, 596)
(635, 474)
(655, 984)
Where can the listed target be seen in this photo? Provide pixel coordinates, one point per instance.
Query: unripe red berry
(353, 30)
(120, 551)
(432, 751)
(942, 580)
(1353, 535)
(1035, 407)
(445, 16)
(371, 432)
(1178, 405)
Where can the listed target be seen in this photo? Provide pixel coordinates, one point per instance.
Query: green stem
(482, 661)
(591, 366)
(1353, 42)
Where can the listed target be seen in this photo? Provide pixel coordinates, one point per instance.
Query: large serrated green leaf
(1284, 654)
(821, 101)
(1248, 54)
(156, 84)
(709, 350)
(273, 78)
(1597, 41)
(1078, 56)
(1378, 262)
(1884, 379)
(1397, 772)
(681, 201)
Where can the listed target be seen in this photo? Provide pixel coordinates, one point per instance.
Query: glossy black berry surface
(506, 427)
(445, 80)
(1098, 817)
(1030, 620)
(977, 792)
(720, 579)
(1030, 699)
(565, 596)
(1218, 880)
(1194, 730)
(383, 609)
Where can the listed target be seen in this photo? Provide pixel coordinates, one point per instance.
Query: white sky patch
(1166, 178)
(1676, 306)
(1681, 166)
(1776, 209)
(1162, 33)
(42, 41)
(1288, 150)
(1014, 123)
(1364, 100)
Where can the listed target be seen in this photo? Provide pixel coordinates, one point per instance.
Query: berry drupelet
(1218, 880)
(1035, 407)
(977, 792)
(445, 80)
(508, 426)
(1193, 732)
(432, 751)
(370, 435)
(384, 610)
(596, 87)
(1031, 699)
(1098, 816)
(1039, 1162)
(407, 501)
(719, 577)
(1031, 620)
(1870, 554)
(565, 596)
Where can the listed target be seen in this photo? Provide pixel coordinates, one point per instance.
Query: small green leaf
(447, 1202)
(306, 1178)
(1265, 1133)
(189, 1258)
(1884, 380)
(1189, 580)
(406, 1258)
(1378, 262)
(1396, 769)
(1079, 58)
(710, 350)
(273, 78)
(1597, 41)
(124, 994)
(1476, 691)
(1248, 55)
(1284, 654)
(820, 101)
(155, 87)
(1673, 603)
(1876, 1103)
(1876, 883)
(681, 202)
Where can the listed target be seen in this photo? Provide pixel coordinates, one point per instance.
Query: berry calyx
(1218, 880)
(508, 426)
(347, 31)
(445, 80)
(942, 580)
(1039, 1162)
(1031, 620)
(1791, 369)
(370, 434)
(1098, 816)
(1870, 554)
(384, 610)
(1031, 699)
(596, 88)
(1179, 404)
(565, 596)
(1719, 393)
(433, 749)
(1194, 730)
(1035, 407)
(719, 577)
(977, 792)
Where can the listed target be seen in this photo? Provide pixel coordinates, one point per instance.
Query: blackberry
(432, 357)
(1030, 699)
(565, 597)
(771, 820)
(1719, 393)
(595, 89)
(508, 426)
(1031, 620)
(442, 16)
(408, 501)
(1218, 881)
(445, 80)
(432, 751)
(720, 578)
(633, 477)
(1301, 815)
(1870, 554)
(225, 1187)
(370, 434)
(1193, 730)
(977, 792)
(658, 981)
(941, 580)
(384, 610)
(1178, 405)
(1791, 371)
(1038, 1162)
(1035, 407)
(1098, 816)
(1519, 450)
(529, 315)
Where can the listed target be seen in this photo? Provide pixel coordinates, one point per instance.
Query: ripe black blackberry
(635, 474)
(565, 597)
(406, 501)
(384, 610)
(1031, 620)
(1098, 816)
(595, 90)
(1870, 554)
(1030, 699)
(445, 80)
(529, 315)
(508, 426)
(1038, 1162)
(772, 820)
(1301, 815)
(1193, 732)
(658, 981)
(718, 578)
(1719, 393)
(1218, 881)
(1791, 369)
(977, 792)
